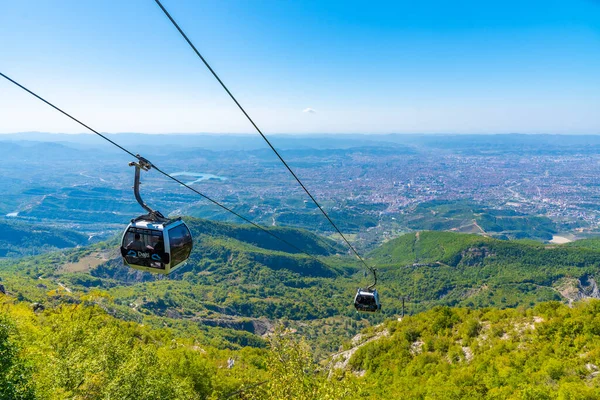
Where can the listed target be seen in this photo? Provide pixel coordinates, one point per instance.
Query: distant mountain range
(483, 143)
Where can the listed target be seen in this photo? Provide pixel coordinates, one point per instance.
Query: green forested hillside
(303, 239)
(475, 271)
(424, 247)
(19, 239)
(237, 282)
(238, 286)
(590, 244)
(548, 352)
(470, 217)
(81, 352)
(78, 351)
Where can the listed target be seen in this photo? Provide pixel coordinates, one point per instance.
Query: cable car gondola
(367, 300)
(152, 242)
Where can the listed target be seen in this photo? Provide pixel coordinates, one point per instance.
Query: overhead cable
(266, 139)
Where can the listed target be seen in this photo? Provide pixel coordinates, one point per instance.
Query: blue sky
(363, 67)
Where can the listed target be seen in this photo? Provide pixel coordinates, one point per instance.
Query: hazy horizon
(297, 68)
(306, 133)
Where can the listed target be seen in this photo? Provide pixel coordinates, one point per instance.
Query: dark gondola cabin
(367, 300)
(158, 247)
(152, 242)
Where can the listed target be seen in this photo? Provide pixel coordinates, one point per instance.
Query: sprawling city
(376, 187)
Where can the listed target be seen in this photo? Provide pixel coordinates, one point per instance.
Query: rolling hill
(239, 280)
(241, 283)
(475, 271)
(19, 239)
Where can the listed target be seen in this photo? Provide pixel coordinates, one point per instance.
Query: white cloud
(309, 110)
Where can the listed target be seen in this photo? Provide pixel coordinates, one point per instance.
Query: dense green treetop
(549, 352)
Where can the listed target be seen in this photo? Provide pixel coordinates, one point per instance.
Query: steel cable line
(68, 115)
(373, 271)
(166, 174)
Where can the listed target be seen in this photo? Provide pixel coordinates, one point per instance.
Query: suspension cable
(373, 271)
(68, 115)
(166, 174)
